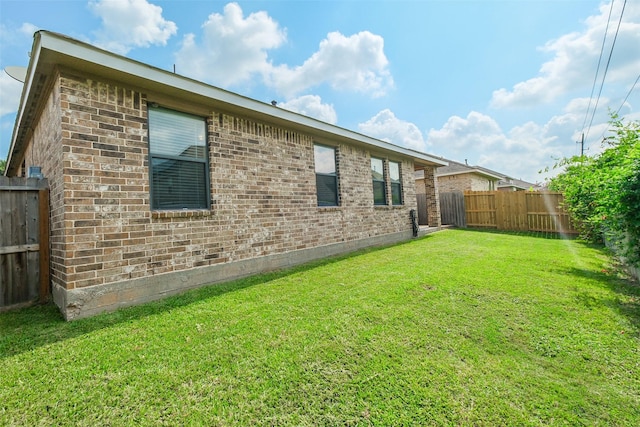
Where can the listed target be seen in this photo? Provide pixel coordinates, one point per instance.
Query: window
(379, 187)
(178, 160)
(326, 175)
(396, 183)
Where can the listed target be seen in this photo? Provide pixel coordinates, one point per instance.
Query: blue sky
(504, 84)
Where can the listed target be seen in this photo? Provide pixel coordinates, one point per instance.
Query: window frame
(206, 190)
(375, 181)
(323, 176)
(393, 184)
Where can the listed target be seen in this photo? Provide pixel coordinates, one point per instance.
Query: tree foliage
(3, 165)
(602, 192)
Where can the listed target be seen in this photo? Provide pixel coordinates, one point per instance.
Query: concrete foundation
(92, 300)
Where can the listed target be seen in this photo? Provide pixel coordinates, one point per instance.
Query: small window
(396, 183)
(326, 175)
(178, 160)
(379, 187)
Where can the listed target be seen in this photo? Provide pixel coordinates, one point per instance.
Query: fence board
(480, 209)
(422, 209)
(452, 209)
(24, 241)
(518, 211)
(511, 210)
(43, 236)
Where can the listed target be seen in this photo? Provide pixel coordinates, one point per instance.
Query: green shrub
(602, 192)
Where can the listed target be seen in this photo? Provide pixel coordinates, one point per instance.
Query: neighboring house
(160, 183)
(461, 177)
(512, 184)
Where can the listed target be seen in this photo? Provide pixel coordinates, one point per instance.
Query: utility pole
(581, 145)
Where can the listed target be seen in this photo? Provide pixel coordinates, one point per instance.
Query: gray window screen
(178, 160)
(379, 187)
(326, 175)
(396, 183)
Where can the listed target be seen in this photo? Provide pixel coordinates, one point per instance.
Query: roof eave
(472, 171)
(51, 49)
(11, 166)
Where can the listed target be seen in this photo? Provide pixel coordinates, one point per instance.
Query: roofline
(471, 170)
(50, 49)
(26, 89)
(515, 185)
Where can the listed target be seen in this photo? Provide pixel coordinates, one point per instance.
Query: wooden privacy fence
(24, 241)
(452, 209)
(518, 211)
(421, 198)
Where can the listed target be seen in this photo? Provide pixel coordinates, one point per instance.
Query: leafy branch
(602, 192)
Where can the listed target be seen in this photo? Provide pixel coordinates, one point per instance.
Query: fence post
(43, 199)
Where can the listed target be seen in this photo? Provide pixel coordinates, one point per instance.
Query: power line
(595, 78)
(629, 93)
(624, 101)
(606, 68)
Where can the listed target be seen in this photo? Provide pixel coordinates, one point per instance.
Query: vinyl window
(326, 175)
(396, 183)
(378, 178)
(178, 160)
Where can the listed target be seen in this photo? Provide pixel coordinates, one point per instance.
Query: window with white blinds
(396, 183)
(326, 175)
(178, 160)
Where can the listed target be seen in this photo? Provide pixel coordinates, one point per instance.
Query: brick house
(160, 183)
(455, 177)
(513, 184)
(463, 177)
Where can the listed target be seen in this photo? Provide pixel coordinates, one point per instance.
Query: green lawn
(457, 328)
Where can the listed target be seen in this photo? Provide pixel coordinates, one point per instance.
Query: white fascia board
(121, 65)
(473, 171)
(487, 174)
(26, 90)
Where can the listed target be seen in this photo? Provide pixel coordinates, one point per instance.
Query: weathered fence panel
(422, 209)
(24, 241)
(452, 211)
(518, 211)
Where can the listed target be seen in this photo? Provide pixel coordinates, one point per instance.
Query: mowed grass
(457, 328)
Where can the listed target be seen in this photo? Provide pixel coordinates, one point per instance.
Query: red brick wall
(262, 190)
(45, 151)
(463, 182)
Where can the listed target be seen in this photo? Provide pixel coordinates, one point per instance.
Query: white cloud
(16, 36)
(10, 91)
(476, 131)
(14, 39)
(521, 152)
(387, 127)
(233, 48)
(312, 106)
(127, 24)
(575, 58)
(28, 29)
(356, 63)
